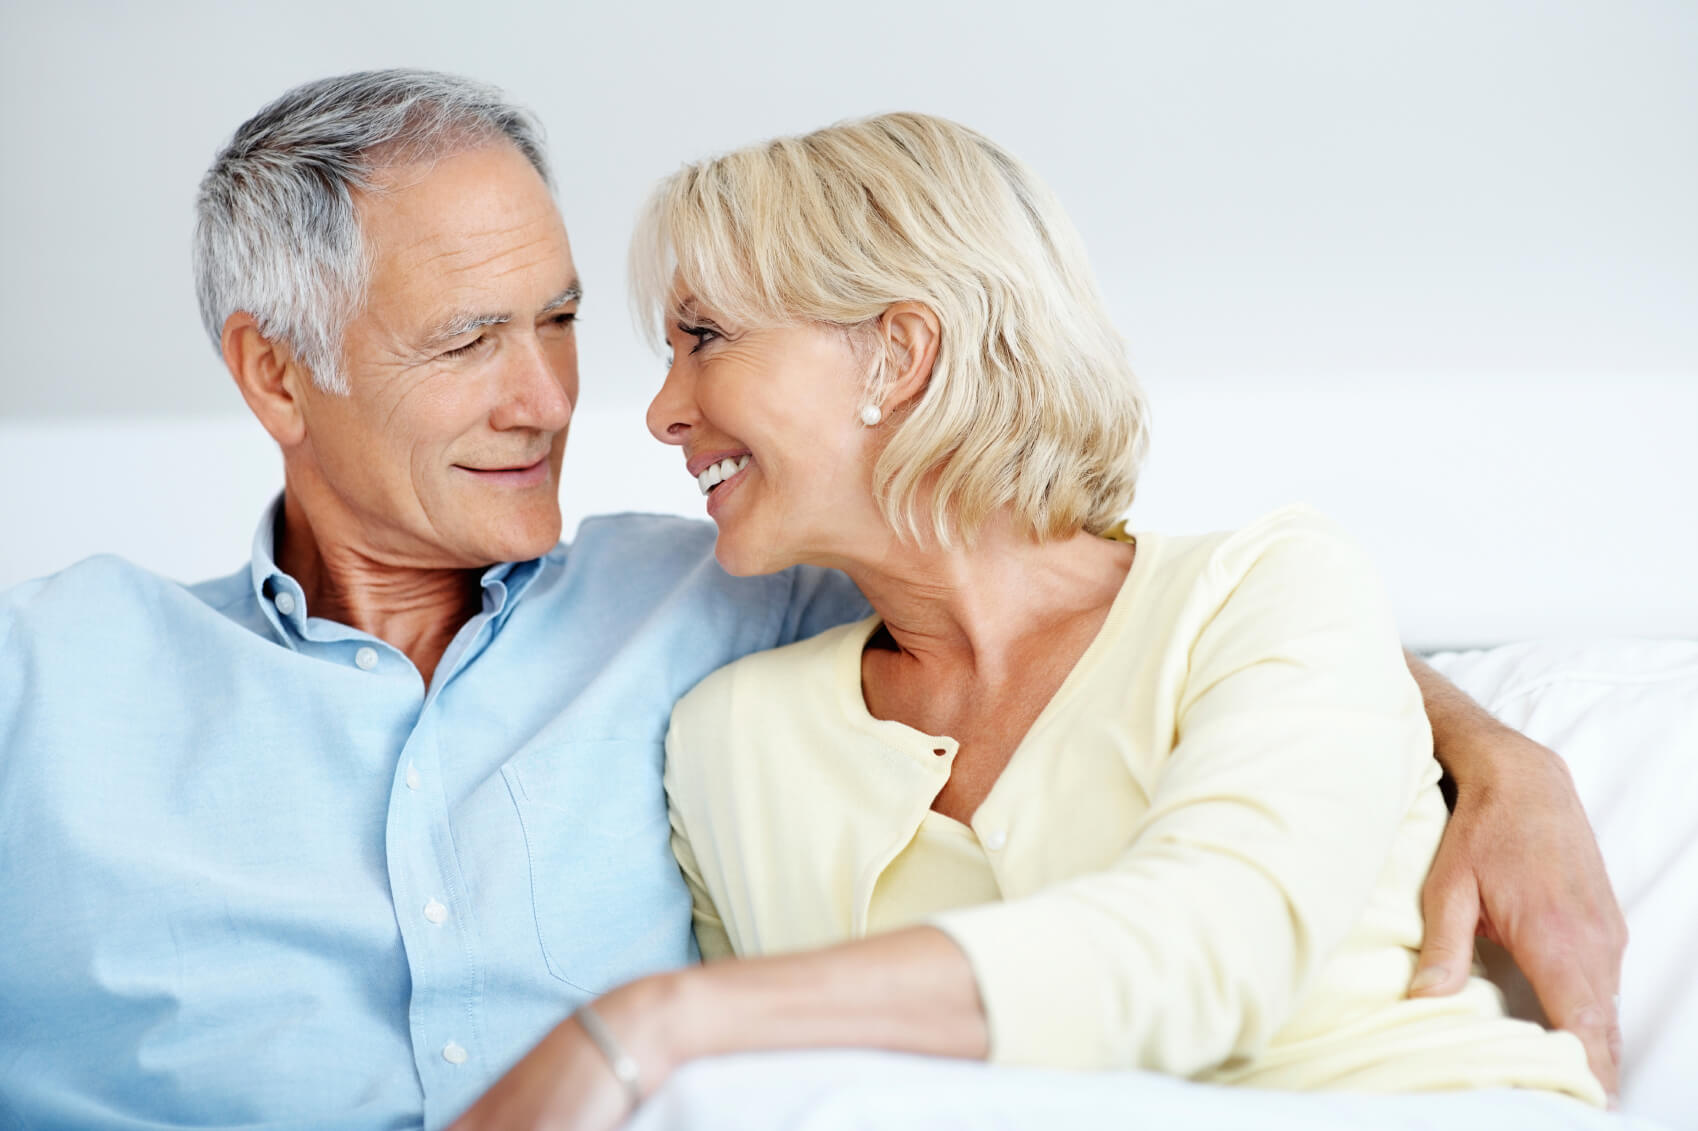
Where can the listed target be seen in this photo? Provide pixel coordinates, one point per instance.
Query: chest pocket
(610, 904)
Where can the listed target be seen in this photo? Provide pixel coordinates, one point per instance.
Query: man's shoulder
(634, 559)
(635, 534)
(101, 578)
(640, 564)
(633, 551)
(104, 587)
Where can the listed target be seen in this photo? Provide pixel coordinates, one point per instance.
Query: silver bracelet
(623, 1064)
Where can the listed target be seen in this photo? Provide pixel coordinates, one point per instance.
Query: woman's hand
(1519, 865)
(565, 1083)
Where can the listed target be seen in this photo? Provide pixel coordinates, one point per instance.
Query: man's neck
(419, 611)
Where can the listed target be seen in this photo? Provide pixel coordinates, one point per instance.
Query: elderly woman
(1071, 796)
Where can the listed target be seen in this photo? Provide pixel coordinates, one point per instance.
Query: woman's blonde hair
(1031, 403)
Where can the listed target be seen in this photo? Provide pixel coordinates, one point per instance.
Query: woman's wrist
(649, 1020)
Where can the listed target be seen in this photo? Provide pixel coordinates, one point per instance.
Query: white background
(1432, 266)
(1362, 188)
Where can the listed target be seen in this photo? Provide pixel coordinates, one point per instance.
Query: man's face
(462, 371)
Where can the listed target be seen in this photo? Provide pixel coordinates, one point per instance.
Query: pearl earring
(871, 415)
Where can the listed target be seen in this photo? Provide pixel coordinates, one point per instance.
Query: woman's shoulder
(1296, 537)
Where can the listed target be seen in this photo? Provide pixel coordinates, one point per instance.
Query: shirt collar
(284, 603)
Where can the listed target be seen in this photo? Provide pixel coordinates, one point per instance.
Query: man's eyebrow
(572, 293)
(460, 323)
(464, 322)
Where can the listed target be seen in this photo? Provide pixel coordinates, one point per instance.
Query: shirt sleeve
(1301, 743)
(711, 937)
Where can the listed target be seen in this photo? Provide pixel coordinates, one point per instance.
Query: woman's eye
(702, 334)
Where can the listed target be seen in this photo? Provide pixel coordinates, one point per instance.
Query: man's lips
(517, 474)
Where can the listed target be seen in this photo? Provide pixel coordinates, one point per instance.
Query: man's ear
(268, 377)
(911, 335)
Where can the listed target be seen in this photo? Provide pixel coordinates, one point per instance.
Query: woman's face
(768, 420)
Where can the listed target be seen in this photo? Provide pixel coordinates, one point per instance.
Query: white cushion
(1624, 715)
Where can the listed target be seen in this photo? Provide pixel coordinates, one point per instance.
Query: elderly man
(332, 841)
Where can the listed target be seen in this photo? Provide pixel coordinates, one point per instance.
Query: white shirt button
(412, 776)
(365, 659)
(285, 602)
(454, 1054)
(435, 911)
(996, 840)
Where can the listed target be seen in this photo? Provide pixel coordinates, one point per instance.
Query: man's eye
(467, 349)
(565, 320)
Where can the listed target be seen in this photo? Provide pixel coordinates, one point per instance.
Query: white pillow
(1624, 715)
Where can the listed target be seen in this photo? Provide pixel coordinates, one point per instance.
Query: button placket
(433, 911)
(366, 658)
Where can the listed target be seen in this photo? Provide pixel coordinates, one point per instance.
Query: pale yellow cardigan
(1209, 847)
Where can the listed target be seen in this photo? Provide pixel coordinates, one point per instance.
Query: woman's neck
(976, 609)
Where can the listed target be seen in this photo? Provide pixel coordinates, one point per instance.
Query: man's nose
(672, 413)
(534, 390)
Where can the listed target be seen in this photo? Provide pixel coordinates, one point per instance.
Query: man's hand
(1519, 865)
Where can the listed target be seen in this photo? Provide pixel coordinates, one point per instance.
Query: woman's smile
(717, 469)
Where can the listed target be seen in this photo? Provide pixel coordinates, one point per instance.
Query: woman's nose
(672, 412)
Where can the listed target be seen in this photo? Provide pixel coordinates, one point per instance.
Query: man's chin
(519, 542)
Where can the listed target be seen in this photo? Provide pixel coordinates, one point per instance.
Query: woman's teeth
(718, 473)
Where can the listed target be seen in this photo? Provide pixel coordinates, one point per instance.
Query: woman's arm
(909, 990)
(1519, 864)
(712, 939)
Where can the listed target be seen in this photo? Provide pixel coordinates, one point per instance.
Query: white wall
(1358, 188)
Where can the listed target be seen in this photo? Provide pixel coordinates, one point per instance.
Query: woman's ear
(267, 376)
(911, 336)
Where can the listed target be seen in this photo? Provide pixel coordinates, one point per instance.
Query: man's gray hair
(276, 232)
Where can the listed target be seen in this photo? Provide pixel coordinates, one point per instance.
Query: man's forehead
(476, 235)
(460, 209)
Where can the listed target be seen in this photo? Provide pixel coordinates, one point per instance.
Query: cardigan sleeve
(1301, 743)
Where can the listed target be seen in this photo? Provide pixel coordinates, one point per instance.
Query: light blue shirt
(253, 871)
